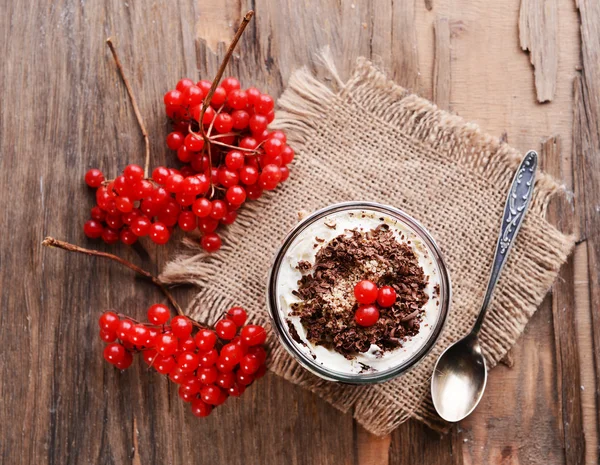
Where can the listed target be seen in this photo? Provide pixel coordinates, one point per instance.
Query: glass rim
(278, 322)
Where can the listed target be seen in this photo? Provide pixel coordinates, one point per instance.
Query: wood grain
(441, 69)
(586, 164)
(561, 213)
(65, 110)
(538, 34)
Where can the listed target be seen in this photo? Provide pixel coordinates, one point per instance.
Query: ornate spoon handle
(517, 202)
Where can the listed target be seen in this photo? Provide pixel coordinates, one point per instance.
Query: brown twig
(221, 70)
(136, 110)
(51, 242)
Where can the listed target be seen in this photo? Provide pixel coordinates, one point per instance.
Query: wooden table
(64, 110)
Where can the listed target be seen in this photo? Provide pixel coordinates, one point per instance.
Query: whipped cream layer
(305, 247)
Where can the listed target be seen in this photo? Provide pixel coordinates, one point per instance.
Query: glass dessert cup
(414, 349)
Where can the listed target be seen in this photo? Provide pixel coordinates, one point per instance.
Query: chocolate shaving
(328, 305)
(293, 332)
(304, 265)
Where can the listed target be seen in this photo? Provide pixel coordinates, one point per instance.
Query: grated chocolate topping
(327, 305)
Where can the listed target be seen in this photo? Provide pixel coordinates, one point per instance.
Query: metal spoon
(460, 374)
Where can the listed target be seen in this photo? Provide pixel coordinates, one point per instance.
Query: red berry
(236, 195)
(234, 160)
(109, 321)
(188, 344)
(365, 291)
(253, 95)
(94, 178)
(366, 315)
(241, 118)
(227, 177)
(194, 143)
(114, 221)
(210, 394)
(287, 155)
(125, 330)
(238, 315)
(142, 189)
(159, 233)
(205, 339)
(108, 336)
(258, 123)
(193, 96)
(133, 173)
(231, 354)
(386, 297)
(250, 364)
(174, 183)
(202, 207)
(139, 335)
(200, 408)
(258, 352)
(181, 326)
(211, 242)
(254, 192)
(278, 135)
(182, 199)
(126, 362)
(218, 97)
(219, 209)
(236, 390)
(173, 98)
(225, 380)
(226, 329)
(174, 141)
(93, 229)
(160, 174)
(184, 84)
(166, 344)
(110, 236)
(164, 364)
(230, 217)
(187, 221)
(208, 358)
(207, 225)
(269, 177)
(140, 226)
(273, 146)
(209, 115)
(191, 386)
(149, 356)
(183, 393)
(124, 204)
(248, 175)
(261, 372)
(188, 362)
(243, 378)
(151, 337)
(184, 155)
(204, 85)
(127, 236)
(230, 84)
(223, 123)
(97, 213)
(207, 375)
(285, 173)
(114, 353)
(249, 143)
(264, 104)
(253, 335)
(237, 99)
(178, 376)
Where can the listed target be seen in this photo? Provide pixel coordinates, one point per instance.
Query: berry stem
(221, 70)
(51, 242)
(136, 110)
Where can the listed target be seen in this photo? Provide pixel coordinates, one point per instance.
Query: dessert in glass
(358, 292)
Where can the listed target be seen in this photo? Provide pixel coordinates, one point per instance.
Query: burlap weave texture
(369, 139)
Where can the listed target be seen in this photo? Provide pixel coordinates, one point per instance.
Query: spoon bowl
(460, 376)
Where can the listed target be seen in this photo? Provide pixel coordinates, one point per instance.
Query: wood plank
(442, 71)
(560, 213)
(538, 34)
(586, 164)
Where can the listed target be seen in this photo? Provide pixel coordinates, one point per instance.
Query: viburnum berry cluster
(226, 154)
(208, 365)
(367, 294)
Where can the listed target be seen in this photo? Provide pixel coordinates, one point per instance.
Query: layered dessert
(358, 291)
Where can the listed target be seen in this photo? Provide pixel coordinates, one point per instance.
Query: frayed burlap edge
(423, 124)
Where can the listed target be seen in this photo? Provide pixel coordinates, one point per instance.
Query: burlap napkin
(369, 139)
